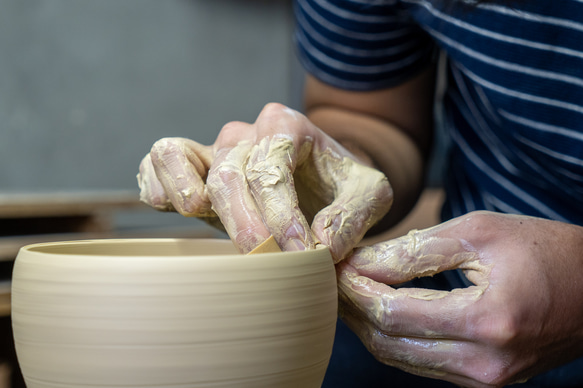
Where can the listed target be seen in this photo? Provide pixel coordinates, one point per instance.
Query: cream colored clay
(362, 196)
(419, 254)
(320, 177)
(269, 172)
(328, 171)
(171, 313)
(404, 258)
(232, 168)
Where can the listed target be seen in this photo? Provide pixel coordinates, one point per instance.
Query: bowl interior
(138, 247)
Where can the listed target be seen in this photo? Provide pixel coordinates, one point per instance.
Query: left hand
(280, 176)
(524, 314)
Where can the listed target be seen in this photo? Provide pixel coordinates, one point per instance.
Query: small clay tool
(266, 246)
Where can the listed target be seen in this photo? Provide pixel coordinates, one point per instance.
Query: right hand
(523, 314)
(272, 177)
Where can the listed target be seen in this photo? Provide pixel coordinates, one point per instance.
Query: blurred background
(87, 86)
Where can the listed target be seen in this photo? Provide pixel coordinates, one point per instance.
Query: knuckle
(497, 331)
(222, 179)
(479, 217)
(277, 112)
(273, 108)
(155, 198)
(233, 133)
(189, 209)
(480, 225)
(230, 128)
(163, 148)
(192, 202)
(384, 192)
(223, 175)
(385, 186)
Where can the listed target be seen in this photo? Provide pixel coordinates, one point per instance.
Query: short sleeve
(360, 44)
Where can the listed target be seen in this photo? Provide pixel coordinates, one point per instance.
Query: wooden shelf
(9, 246)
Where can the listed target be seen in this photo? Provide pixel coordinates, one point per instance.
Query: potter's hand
(253, 175)
(523, 315)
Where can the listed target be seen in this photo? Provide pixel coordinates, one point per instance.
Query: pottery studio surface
(171, 313)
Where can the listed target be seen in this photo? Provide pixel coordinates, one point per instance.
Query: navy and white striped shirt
(514, 99)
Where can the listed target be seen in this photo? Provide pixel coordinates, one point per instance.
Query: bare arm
(390, 128)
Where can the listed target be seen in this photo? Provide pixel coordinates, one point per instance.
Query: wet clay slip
(172, 313)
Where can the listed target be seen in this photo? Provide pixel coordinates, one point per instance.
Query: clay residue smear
(270, 176)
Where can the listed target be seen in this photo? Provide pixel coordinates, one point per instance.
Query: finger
(418, 254)
(181, 166)
(362, 196)
(413, 312)
(151, 190)
(269, 172)
(460, 362)
(232, 200)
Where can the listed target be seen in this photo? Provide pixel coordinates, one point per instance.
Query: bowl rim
(38, 248)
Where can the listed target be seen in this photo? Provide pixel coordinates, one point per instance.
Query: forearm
(389, 128)
(381, 145)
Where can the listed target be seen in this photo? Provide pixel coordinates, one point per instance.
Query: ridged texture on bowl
(171, 313)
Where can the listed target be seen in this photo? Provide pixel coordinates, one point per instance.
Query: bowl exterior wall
(92, 320)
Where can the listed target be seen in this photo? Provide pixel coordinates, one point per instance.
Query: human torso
(514, 99)
(514, 105)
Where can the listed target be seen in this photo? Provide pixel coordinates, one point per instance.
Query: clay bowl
(171, 313)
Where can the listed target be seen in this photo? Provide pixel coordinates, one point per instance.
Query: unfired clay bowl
(171, 313)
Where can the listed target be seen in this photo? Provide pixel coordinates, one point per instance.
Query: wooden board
(63, 204)
(4, 298)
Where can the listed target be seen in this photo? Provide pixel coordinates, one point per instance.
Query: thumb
(417, 254)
